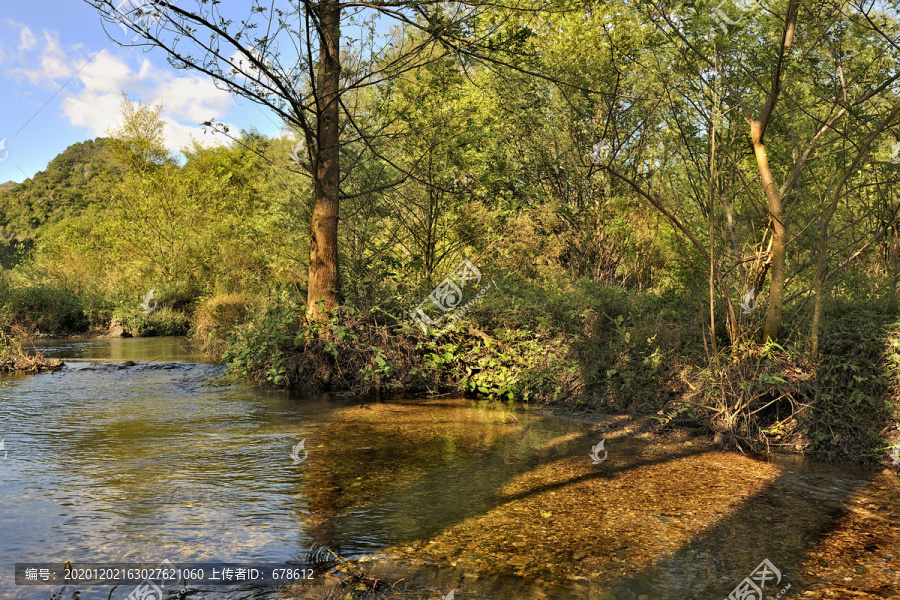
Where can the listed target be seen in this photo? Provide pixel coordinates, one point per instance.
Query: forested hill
(71, 182)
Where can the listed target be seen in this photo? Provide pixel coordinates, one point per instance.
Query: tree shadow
(780, 521)
(463, 482)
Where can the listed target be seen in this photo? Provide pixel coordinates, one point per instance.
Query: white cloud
(181, 97)
(53, 63)
(27, 41)
(91, 100)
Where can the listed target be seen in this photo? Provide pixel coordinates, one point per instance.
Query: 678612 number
(292, 574)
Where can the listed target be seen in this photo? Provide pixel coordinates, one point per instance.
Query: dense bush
(215, 317)
(43, 308)
(161, 321)
(521, 343)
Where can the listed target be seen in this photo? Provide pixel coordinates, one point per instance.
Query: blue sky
(61, 80)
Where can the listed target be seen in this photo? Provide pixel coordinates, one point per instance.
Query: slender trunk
(324, 276)
(892, 290)
(774, 196)
(732, 235)
(779, 234)
(817, 304)
(712, 239)
(823, 228)
(892, 281)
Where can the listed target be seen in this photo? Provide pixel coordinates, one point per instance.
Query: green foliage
(381, 370)
(43, 308)
(213, 226)
(215, 317)
(257, 348)
(162, 321)
(516, 366)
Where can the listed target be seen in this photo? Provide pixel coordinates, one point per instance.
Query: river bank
(586, 348)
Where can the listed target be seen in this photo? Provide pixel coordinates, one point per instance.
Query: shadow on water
(785, 520)
(778, 511)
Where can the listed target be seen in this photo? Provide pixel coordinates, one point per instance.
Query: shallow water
(164, 459)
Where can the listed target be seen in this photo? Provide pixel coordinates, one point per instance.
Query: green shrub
(216, 317)
(45, 309)
(160, 322)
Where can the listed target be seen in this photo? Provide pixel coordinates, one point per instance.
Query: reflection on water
(110, 461)
(167, 349)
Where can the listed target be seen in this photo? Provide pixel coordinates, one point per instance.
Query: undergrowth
(592, 347)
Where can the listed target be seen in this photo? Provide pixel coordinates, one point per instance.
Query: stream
(137, 452)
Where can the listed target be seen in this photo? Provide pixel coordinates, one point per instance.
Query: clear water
(107, 461)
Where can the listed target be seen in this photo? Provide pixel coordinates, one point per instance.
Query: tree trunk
(817, 305)
(823, 228)
(774, 196)
(712, 240)
(892, 287)
(324, 277)
(779, 234)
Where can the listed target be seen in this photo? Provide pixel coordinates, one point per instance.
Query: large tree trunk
(324, 277)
